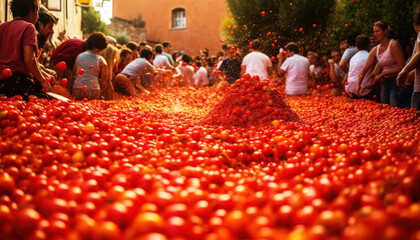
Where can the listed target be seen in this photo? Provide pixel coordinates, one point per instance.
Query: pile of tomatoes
(148, 168)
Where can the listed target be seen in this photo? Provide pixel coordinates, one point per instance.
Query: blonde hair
(111, 56)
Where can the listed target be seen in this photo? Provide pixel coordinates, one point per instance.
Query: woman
(90, 69)
(110, 55)
(390, 59)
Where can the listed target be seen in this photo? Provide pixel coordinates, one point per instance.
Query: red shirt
(68, 51)
(14, 35)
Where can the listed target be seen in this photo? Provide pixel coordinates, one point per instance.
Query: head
(343, 46)
(291, 49)
(203, 61)
(362, 42)
(256, 44)
(381, 31)
(351, 38)
(335, 56)
(45, 24)
(111, 41)
(231, 52)
(310, 56)
(186, 58)
(142, 45)
(167, 47)
(147, 54)
(133, 47)
(110, 54)
(96, 42)
(158, 49)
(125, 55)
(25, 9)
(225, 48)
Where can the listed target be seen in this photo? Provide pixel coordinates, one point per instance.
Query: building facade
(68, 12)
(190, 25)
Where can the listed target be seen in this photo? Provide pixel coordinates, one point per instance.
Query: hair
(417, 16)
(384, 26)
(110, 54)
(124, 52)
(21, 8)
(132, 45)
(351, 38)
(159, 48)
(96, 40)
(292, 46)
(166, 44)
(45, 18)
(335, 50)
(362, 42)
(225, 47)
(256, 44)
(143, 43)
(186, 58)
(146, 53)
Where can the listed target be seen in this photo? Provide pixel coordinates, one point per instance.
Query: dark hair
(45, 18)
(362, 42)
(351, 38)
(256, 44)
(166, 44)
(21, 8)
(143, 43)
(124, 52)
(186, 58)
(292, 46)
(417, 16)
(335, 50)
(96, 40)
(146, 53)
(158, 48)
(224, 47)
(384, 26)
(132, 45)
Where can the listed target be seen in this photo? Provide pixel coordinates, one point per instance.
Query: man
(134, 49)
(45, 30)
(231, 65)
(18, 46)
(167, 49)
(349, 52)
(160, 60)
(257, 63)
(296, 68)
(201, 76)
(336, 73)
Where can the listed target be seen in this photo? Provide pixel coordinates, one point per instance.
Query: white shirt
(355, 67)
(256, 64)
(338, 71)
(187, 74)
(297, 69)
(201, 78)
(160, 60)
(315, 70)
(138, 68)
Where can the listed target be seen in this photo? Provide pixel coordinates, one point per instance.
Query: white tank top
(385, 59)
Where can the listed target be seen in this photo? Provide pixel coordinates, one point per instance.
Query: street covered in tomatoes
(166, 166)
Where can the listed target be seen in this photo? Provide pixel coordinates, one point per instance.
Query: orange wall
(204, 19)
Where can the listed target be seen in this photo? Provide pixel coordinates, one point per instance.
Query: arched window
(178, 18)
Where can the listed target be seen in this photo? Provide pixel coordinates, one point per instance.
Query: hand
(330, 61)
(401, 78)
(377, 78)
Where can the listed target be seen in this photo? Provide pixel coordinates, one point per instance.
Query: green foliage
(123, 38)
(138, 22)
(91, 21)
(277, 22)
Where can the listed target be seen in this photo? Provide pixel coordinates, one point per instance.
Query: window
(178, 18)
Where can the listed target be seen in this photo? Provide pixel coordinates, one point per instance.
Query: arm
(33, 66)
(103, 74)
(243, 69)
(270, 72)
(333, 75)
(343, 65)
(398, 55)
(413, 64)
(369, 62)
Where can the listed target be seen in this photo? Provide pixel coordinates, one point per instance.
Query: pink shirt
(385, 59)
(14, 35)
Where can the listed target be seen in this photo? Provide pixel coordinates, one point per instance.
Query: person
(18, 44)
(349, 52)
(186, 71)
(257, 63)
(413, 67)
(111, 41)
(343, 46)
(134, 49)
(337, 75)
(67, 52)
(125, 58)
(315, 69)
(160, 60)
(142, 45)
(359, 87)
(390, 58)
(231, 65)
(110, 54)
(167, 48)
(90, 69)
(45, 28)
(201, 76)
(131, 77)
(296, 68)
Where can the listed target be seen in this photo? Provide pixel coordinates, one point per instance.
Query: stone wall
(119, 26)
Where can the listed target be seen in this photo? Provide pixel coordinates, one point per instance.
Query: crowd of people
(364, 67)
